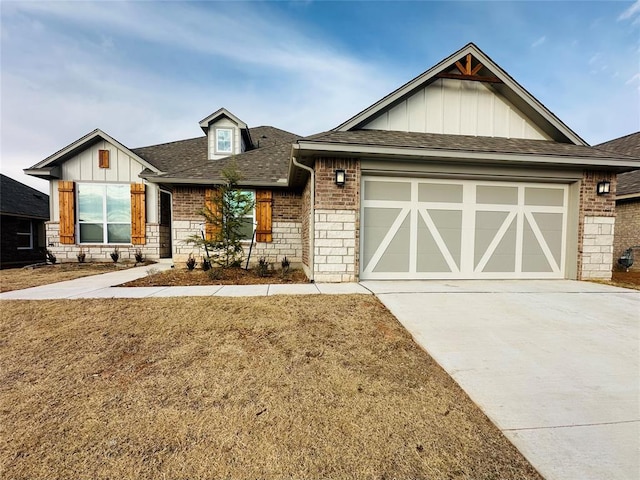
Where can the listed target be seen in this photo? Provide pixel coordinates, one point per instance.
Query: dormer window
(224, 140)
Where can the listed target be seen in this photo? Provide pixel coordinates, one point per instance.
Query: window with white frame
(104, 213)
(249, 220)
(224, 140)
(24, 232)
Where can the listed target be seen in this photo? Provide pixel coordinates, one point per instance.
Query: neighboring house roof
(500, 80)
(410, 144)
(186, 161)
(628, 183)
(49, 167)
(21, 200)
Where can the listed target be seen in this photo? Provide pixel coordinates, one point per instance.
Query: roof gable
(473, 68)
(222, 112)
(46, 167)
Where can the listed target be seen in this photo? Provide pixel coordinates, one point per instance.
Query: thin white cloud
(539, 41)
(69, 81)
(630, 12)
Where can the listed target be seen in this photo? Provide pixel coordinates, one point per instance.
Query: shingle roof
(21, 200)
(629, 145)
(187, 160)
(628, 183)
(436, 141)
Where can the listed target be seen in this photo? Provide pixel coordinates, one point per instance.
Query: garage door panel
(395, 256)
(491, 194)
(552, 197)
(439, 193)
(378, 222)
(487, 232)
(551, 226)
(502, 257)
(439, 228)
(533, 256)
(430, 257)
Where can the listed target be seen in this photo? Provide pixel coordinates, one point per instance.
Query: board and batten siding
(84, 167)
(456, 107)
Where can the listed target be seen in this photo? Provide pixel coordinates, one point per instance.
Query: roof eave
(628, 196)
(282, 183)
(46, 173)
(620, 165)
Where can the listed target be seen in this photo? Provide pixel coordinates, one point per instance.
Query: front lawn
(27, 277)
(268, 387)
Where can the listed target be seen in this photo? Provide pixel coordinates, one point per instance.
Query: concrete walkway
(103, 286)
(554, 364)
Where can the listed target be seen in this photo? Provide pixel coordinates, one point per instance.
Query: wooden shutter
(264, 202)
(103, 158)
(138, 213)
(211, 196)
(67, 212)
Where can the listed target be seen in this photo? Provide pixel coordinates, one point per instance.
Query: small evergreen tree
(227, 216)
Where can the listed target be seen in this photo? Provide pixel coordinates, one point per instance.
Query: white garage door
(459, 229)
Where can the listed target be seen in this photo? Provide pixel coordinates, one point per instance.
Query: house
(458, 174)
(627, 231)
(23, 213)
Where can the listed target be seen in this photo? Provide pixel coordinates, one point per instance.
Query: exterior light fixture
(603, 188)
(341, 177)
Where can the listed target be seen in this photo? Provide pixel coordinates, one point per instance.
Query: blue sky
(147, 72)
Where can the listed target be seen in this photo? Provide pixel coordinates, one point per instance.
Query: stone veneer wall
(286, 227)
(595, 226)
(99, 252)
(627, 230)
(337, 221)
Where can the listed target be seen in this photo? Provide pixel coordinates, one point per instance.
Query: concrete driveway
(555, 364)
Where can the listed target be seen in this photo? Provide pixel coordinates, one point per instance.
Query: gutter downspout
(312, 230)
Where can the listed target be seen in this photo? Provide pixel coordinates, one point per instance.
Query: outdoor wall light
(603, 187)
(341, 177)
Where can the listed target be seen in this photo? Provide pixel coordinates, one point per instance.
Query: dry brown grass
(19, 278)
(269, 387)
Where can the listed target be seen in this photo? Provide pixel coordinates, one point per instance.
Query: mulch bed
(629, 279)
(228, 276)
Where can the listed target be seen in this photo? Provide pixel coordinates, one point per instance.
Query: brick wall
(337, 220)
(306, 212)
(286, 226)
(595, 226)
(331, 196)
(627, 230)
(287, 206)
(187, 201)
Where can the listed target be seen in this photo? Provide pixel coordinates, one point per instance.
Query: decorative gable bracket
(469, 71)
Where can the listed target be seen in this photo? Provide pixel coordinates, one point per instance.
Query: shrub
(191, 262)
(139, 256)
(115, 255)
(81, 256)
(51, 258)
(206, 264)
(263, 267)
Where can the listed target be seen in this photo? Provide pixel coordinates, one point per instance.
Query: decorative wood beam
(460, 67)
(473, 78)
(476, 69)
(468, 69)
